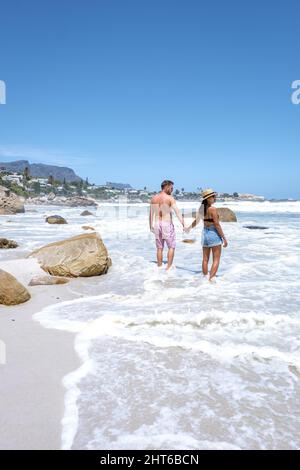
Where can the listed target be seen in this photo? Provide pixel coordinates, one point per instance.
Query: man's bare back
(162, 204)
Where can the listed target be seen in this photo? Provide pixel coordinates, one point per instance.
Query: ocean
(169, 361)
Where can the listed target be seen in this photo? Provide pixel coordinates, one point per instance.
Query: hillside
(40, 170)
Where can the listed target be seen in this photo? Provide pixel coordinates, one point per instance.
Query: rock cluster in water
(6, 244)
(52, 199)
(10, 203)
(80, 256)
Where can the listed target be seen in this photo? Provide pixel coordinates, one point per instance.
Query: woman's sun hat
(206, 193)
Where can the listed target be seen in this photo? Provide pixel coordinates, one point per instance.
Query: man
(160, 220)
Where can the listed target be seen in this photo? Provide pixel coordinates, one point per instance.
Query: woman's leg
(205, 260)
(216, 260)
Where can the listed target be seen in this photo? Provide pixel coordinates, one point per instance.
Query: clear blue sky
(141, 90)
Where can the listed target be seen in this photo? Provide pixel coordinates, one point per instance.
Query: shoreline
(138, 201)
(37, 359)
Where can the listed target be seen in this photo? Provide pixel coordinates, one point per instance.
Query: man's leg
(159, 256)
(171, 253)
(171, 243)
(205, 260)
(216, 260)
(159, 247)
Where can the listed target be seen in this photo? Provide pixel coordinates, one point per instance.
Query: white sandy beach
(166, 361)
(31, 390)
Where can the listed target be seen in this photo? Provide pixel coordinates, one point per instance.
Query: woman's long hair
(204, 208)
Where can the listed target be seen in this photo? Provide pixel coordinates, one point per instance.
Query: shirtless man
(161, 223)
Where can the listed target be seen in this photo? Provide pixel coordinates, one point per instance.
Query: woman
(213, 236)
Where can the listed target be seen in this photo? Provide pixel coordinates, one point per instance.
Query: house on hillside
(14, 178)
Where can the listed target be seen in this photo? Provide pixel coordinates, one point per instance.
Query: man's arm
(151, 216)
(177, 211)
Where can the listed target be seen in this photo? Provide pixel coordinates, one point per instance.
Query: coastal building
(251, 197)
(14, 178)
(42, 181)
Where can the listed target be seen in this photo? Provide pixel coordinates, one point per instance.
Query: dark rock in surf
(55, 219)
(5, 243)
(85, 213)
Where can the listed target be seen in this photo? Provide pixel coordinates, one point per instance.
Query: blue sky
(138, 91)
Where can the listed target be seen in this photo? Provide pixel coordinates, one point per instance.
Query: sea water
(169, 360)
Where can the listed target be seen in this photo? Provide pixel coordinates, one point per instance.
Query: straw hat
(206, 193)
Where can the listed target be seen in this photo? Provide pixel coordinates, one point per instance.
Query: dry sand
(31, 390)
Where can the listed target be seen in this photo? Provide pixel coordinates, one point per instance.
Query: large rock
(55, 219)
(82, 255)
(11, 291)
(226, 215)
(10, 203)
(5, 243)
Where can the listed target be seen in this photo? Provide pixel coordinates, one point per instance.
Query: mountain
(40, 170)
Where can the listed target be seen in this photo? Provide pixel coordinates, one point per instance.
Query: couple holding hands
(161, 224)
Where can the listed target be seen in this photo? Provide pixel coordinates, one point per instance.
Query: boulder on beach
(12, 292)
(10, 203)
(83, 255)
(87, 227)
(5, 243)
(226, 214)
(84, 213)
(48, 280)
(55, 219)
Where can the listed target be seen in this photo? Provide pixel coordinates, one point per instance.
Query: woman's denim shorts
(210, 237)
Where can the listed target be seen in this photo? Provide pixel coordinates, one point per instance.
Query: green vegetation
(32, 187)
(19, 190)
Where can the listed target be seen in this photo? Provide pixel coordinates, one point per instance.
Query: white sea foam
(168, 360)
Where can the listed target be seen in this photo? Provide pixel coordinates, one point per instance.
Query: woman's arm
(214, 215)
(195, 222)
